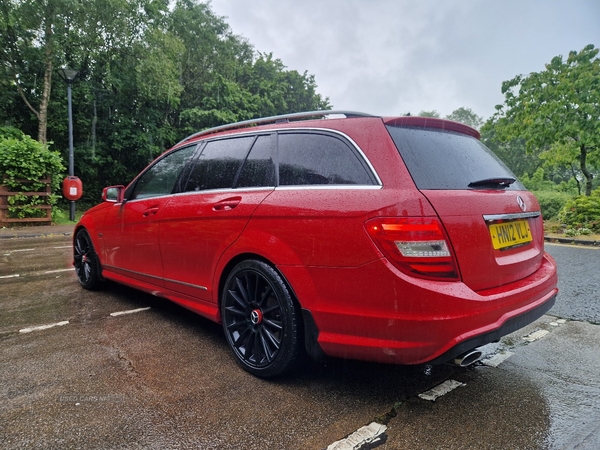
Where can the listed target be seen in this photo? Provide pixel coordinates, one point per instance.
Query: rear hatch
(493, 223)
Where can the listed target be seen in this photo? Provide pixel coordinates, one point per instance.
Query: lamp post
(69, 76)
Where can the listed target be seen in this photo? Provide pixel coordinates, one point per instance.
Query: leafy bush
(24, 162)
(551, 202)
(582, 212)
(572, 232)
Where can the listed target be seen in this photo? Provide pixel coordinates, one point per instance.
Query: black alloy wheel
(260, 319)
(85, 260)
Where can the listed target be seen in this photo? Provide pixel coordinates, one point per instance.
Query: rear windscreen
(438, 159)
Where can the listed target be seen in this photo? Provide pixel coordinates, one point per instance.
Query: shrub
(582, 212)
(551, 202)
(23, 163)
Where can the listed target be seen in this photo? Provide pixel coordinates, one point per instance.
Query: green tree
(557, 112)
(466, 116)
(512, 152)
(28, 47)
(152, 71)
(433, 113)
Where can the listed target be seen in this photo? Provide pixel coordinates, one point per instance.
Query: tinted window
(319, 159)
(447, 160)
(160, 179)
(218, 164)
(259, 168)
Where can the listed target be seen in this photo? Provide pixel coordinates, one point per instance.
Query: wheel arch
(97, 247)
(96, 278)
(234, 261)
(308, 329)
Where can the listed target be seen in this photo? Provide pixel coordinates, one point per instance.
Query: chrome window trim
(378, 183)
(145, 198)
(524, 215)
(300, 129)
(227, 190)
(330, 187)
(297, 187)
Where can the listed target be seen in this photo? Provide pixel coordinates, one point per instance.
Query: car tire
(85, 260)
(261, 321)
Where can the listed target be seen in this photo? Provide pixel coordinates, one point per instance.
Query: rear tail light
(417, 245)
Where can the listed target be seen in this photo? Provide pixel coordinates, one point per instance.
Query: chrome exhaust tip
(467, 358)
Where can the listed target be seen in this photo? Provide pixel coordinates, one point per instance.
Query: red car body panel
(462, 215)
(405, 320)
(364, 307)
(195, 231)
(130, 235)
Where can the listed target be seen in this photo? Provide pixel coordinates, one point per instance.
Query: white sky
(390, 57)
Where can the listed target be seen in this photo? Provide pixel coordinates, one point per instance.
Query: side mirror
(113, 194)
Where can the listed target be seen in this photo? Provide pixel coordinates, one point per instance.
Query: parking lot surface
(120, 369)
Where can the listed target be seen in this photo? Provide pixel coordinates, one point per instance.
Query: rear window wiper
(493, 183)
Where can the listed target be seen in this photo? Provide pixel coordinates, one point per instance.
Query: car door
(131, 234)
(225, 186)
(325, 185)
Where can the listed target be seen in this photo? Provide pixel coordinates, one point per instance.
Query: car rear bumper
(513, 324)
(376, 313)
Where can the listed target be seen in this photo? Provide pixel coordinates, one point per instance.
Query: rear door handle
(227, 204)
(150, 211)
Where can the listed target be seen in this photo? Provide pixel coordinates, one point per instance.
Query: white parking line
(64, 246)
(372, 432)
(496, 359)
(19, 250)
(441, 389)
(10, 276)
(43, 327)
(365, 435)
(60, 270)
(131, 311)
(534, 336)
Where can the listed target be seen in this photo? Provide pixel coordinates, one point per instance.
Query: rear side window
(259, 168)
(218, 164)
(318, 159)
(447, 160)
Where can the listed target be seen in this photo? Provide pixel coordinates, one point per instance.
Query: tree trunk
(586, 173)
(43, 110)
(576, 179)
(94, 122)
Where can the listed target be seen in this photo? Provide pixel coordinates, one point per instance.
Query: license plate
(509, 234)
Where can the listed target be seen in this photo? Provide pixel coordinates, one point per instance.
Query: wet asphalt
(164, 378)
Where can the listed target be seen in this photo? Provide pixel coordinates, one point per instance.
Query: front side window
(319, 159)
(218, 165)
(160, 179)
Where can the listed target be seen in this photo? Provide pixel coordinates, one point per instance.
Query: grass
(61, 216)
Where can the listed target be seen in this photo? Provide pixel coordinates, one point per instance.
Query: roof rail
(274, 119)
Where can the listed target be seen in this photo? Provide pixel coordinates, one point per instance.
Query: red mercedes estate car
(401, 240)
